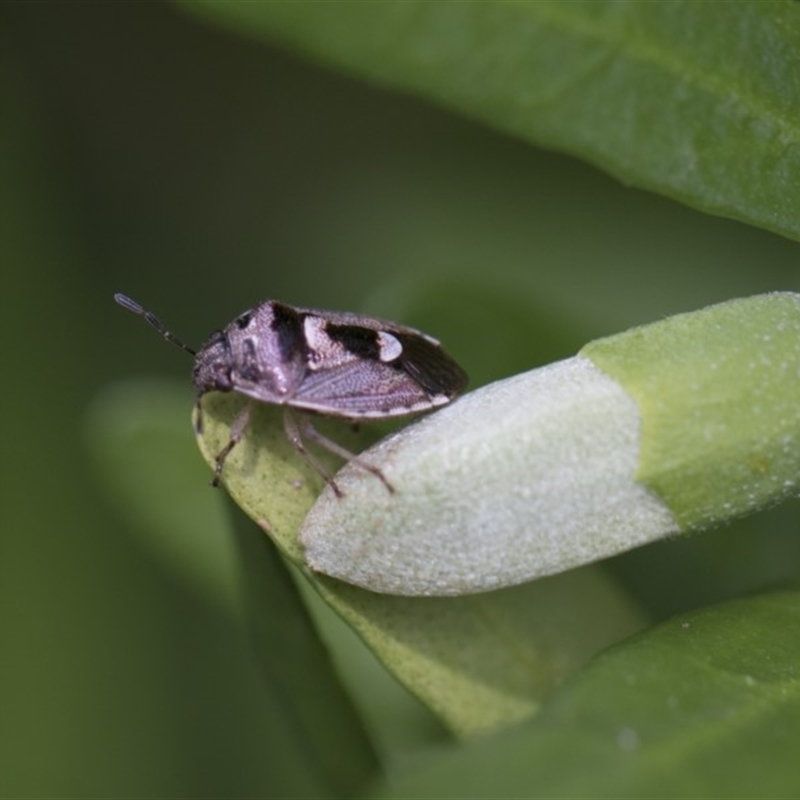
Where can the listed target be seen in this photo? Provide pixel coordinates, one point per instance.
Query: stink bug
(330, 363)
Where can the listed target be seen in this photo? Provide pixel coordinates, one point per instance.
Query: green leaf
(680, 424)
(316, 714)
(719, 395)
(478, 662)
(697, 101)
(706, 705)
(526, 477)
(140, 436)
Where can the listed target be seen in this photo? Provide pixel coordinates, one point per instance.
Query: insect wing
(430, 366)
(422, 355)
(373, 370)
(363, 390)
(356, 320)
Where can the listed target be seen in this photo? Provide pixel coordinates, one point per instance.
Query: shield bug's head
(212, 366)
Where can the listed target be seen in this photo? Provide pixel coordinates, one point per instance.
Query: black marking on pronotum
(324, 362)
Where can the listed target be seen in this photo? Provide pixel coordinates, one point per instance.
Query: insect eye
(222, 381)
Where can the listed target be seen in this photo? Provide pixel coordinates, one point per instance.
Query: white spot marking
(314, 330)
(389, 347)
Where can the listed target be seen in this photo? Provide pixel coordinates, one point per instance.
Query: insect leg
(295, 437)
(323, 441)
(198, 417)
(237, 429)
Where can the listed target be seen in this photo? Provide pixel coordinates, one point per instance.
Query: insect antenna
(153, 320)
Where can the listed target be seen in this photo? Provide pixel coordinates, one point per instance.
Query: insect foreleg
(237, 429)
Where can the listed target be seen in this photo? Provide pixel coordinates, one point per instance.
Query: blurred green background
(147, 152)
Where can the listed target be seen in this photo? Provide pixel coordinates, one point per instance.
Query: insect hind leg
(296, 433)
